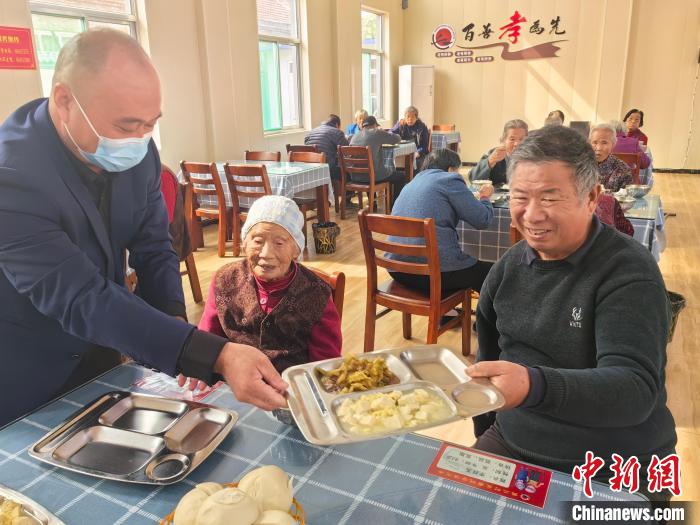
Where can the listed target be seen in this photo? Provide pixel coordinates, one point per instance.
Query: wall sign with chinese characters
(16, 48)
(503, 477)
(478, 40)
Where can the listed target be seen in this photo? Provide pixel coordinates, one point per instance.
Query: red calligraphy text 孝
(513, 28)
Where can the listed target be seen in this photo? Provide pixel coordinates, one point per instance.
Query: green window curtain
(270, 86)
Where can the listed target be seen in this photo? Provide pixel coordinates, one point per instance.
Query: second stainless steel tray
(31, 510)
(136, 438)
(427, 366)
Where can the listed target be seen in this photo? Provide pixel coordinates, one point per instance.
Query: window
(373, 63)
(57, 21)
(279, 44)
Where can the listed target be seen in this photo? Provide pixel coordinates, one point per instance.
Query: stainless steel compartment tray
(136, 438)
(426, 365)
(30, 508)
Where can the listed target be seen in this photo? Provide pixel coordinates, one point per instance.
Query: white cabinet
(416, 88)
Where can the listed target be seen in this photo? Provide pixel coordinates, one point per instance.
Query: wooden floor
(680, 265)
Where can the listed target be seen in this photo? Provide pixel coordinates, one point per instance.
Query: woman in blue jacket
(439, 192)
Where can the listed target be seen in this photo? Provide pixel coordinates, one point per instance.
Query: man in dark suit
(79, 185)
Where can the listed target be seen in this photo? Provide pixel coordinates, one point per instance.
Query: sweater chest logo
(576, 317)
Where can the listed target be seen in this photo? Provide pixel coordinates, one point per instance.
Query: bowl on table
(626, 202)
(637, 190)
(476, 185)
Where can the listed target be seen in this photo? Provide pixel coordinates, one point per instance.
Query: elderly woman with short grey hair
(410, 127)
(354, 128)
(614, 173)
(493, 163)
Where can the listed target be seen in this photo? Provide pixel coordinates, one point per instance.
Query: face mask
(113, 154)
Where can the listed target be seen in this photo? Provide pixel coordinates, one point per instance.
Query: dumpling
(276, 517)
(228, 507)
(269, 486)
(188, 507)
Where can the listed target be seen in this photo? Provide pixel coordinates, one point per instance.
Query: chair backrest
(274, 156)
(444, 127)
(307, 156)
(582, 126)
(246, 180)
(373, 224)
(169, 188)
(302, 147)
(207, 182)
(632, 160)
(336, 281)
(356, 160)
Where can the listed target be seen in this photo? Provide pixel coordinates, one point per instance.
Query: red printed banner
(503, 477)
(16, 48)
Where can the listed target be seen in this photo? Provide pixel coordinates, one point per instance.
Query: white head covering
(277, 210)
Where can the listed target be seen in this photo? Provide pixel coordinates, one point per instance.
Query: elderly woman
(634, 119)
(614, 174)
(494, 162)
(356, 127)
(410, 127)
(267, 299)
(439, 192)
(627, 144)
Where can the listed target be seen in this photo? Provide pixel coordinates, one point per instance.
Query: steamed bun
(269, 486)
(228, 507)
(188, 507)
(276, 517)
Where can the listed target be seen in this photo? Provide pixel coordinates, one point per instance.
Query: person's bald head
(111, 77)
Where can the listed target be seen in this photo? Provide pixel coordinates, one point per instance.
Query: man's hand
(510, 378)
(251, 376)
(497, 155)
(486, 191)
(194, 383)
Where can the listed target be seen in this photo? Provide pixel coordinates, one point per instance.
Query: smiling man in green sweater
(572, 322)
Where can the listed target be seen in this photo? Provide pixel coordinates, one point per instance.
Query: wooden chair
(314, 149)
(336, 281)
(301, 148)
(181, 229)
(244, 180)
(357, 160)
(274, 156)
(395, 296)
(307, 205)
(632, 160)
(444, 127)
(208, 183)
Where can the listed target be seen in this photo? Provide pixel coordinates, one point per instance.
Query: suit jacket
(62, 274)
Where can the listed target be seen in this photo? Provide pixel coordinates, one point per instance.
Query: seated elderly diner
(560, 328)
(614, 174)
(327, 137)
(634, 119)
(356, 127)
(625, 144)
(494, 162)
(410, 127)
(270, 300)
(438, 191)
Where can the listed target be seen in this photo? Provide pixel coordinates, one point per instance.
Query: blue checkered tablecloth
(381, 481)
(290, 179)
(389, 155)
(443, 139)
(492, 242)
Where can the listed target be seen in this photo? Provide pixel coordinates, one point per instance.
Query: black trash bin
(325, 234)
(677, 304)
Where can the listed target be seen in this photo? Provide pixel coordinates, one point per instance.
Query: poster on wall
(481, 39)
(16, 48)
